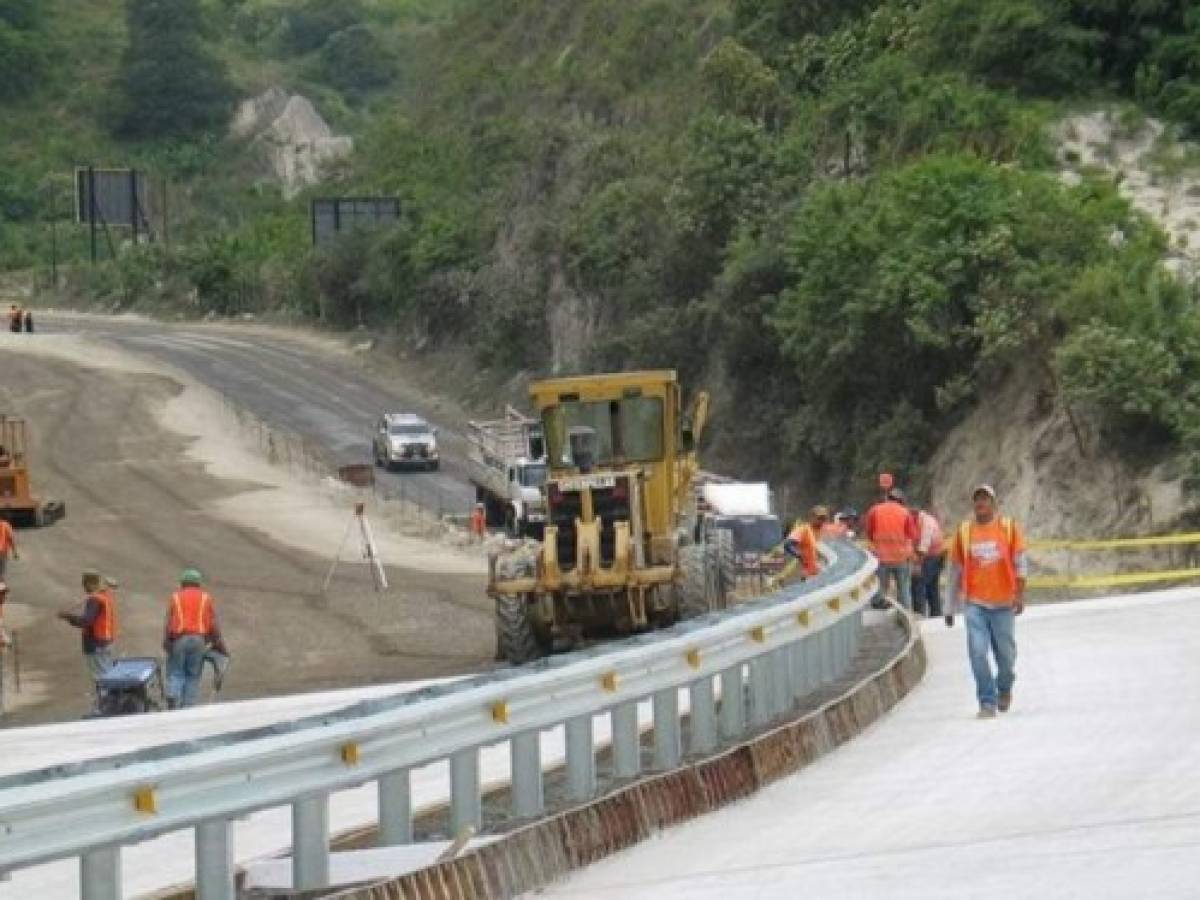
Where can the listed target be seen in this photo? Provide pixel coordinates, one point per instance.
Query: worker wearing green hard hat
(192, 627)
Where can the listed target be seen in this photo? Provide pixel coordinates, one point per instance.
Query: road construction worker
(14, 319)
(891, 535)
(29, 321)
(986, 583)
(929, 556)
(8, 546)
(97, 623)
(801, 544)
(479, 521)
(192, 626)
(836, 529)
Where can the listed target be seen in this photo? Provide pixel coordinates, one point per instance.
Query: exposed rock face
(291, 137)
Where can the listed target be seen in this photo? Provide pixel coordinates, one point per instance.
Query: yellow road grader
(618, 554)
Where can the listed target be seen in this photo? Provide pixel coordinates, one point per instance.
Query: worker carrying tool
(801, 544)
(97, 623)
(8, 543)
(15, 319)
(192, 626)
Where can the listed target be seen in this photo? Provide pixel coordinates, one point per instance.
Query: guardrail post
(703, 717)
(781, 682)
(733, 703)
(528, 792)
(214, 861)
(581, 758)
(100, 874)
(395, 809)
(310, 843)
(466, 805)
(814, 669)
(626, 741)
(760, 691)
(668, 749)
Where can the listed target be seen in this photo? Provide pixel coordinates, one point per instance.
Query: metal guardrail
(764, 655)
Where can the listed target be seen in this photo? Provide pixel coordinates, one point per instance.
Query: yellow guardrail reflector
(803, 618)
(608, 681)
(758, 634)
(835, 604)
(693, 658)
(351, 754)
(145, 800)
(855, 594)
(500, 712)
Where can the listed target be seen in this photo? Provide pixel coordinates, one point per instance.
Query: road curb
(535, 855)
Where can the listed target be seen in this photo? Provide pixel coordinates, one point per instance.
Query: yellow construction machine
(17, 502)
(617, 555)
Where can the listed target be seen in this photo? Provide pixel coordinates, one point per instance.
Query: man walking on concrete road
(191, 626)
(892, 534)
(987, 571)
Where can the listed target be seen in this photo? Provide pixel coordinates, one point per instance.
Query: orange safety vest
(963, 550)
(889, 525)
(6, 537)
(191, 612)
(806, 542)
(104, 629)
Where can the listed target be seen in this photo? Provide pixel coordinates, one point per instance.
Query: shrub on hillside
(172, 85)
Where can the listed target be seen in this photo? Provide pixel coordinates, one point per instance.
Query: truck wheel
(693, 593)
(516, 640)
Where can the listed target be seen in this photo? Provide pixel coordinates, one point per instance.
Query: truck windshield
(628, 430)
(532, 476)
(409, 430)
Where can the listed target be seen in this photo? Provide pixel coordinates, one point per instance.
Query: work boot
(986, 712)
(1005, 701)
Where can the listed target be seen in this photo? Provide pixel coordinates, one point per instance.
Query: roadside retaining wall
(537, 854)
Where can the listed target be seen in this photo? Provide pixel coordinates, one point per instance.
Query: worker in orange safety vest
(8, 543)
(801, 543)
(97, 623)
(192, 625)
(479, 522)
(891, 536)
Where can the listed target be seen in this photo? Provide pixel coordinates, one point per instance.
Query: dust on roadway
(140, 509)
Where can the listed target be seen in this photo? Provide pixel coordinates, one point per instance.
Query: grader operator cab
(17, 503)
(616, 555)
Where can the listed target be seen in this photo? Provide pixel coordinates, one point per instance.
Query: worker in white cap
(986, 583)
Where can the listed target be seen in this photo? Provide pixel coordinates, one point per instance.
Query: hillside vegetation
(845, 216)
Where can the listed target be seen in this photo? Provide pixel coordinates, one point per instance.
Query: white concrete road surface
(1089, 787)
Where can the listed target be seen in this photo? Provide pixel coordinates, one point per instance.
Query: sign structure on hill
(112, 197)
(332, 216)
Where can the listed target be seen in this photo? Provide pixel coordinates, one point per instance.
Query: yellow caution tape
(1118, 543)
(1099, 581)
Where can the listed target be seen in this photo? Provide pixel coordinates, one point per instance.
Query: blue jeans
(991, 628)
(185, 665)
(927, 589)
(902, 575)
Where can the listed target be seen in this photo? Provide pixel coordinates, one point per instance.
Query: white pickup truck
(507, 462)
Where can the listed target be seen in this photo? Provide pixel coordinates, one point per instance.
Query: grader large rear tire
(694, 594)
(516, 640)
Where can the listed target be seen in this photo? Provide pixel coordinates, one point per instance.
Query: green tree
(172, 85)
(22, 61)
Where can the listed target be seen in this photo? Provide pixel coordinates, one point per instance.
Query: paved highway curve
(295, 386)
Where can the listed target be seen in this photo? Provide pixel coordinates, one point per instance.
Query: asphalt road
(140, 508)
(316, 394)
